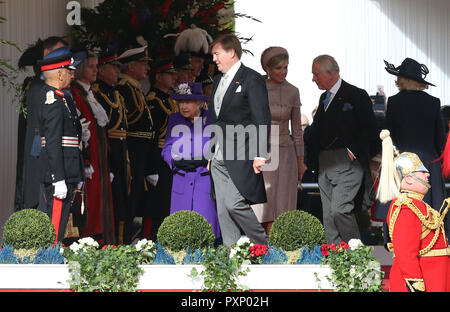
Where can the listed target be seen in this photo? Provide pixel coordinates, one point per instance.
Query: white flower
(355, 244)
(243, 240)
(233, 252)
(75, 247)
(88, 241)
(144, 244)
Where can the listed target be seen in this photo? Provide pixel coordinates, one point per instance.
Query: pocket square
(347, 107)
(238, 89)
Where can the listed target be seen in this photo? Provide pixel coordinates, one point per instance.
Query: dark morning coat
(415, 122)
(249, 106)
(349, 122)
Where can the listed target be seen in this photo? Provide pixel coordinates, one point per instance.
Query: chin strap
(420, 180)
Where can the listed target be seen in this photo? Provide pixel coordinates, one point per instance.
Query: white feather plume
(193, 39)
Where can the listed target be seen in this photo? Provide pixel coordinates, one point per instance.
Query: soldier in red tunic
(418, 241)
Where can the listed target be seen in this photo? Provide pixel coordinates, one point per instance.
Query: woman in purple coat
(183, 149)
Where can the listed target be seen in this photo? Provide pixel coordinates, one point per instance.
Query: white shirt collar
(233, 70)
(336, 86)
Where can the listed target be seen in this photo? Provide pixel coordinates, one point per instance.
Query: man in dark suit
(342, 130)
(239, 99)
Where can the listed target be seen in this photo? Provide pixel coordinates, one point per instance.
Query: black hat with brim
(409, 69)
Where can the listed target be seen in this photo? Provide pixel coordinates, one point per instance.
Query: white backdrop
(360, 34)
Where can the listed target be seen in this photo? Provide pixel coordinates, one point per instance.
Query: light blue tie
(326, 101)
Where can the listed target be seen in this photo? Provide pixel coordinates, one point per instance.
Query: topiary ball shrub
(296, 229)
(29, 229)
(184, 229)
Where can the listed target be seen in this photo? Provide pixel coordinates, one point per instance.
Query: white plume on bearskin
(389, 184)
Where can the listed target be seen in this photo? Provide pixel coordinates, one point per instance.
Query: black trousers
(49, 205)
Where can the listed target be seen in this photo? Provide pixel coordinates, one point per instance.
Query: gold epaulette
(431, 221)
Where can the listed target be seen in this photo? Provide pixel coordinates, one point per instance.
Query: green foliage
(29, 229)
(353, 269)
(296, 229)
(110, 269)
(185, 229)
(8, 73)
(221, 271)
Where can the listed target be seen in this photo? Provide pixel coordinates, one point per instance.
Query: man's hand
(257, 164)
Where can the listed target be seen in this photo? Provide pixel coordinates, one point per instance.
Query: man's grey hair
(327, 63)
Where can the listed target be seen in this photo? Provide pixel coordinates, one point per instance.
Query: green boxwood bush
(29, 229)
(184, 229)
(296, 229)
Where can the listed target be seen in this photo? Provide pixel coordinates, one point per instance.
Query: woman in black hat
(415, 122)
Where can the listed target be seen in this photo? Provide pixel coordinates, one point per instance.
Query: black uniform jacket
(60, 157)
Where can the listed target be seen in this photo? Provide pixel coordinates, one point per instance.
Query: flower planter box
(168, 277)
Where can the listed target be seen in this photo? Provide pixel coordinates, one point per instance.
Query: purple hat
(189, 91)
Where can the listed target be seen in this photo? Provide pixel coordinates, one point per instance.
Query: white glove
(111, 177)
(79, 185)
(85, 133)
(88, 172)
(60, 189)
(152, 179)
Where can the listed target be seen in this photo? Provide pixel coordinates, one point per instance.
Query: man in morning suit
(60, 160)
(239, 99)
(341, 131)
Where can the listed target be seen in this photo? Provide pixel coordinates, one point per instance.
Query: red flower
(218, 6)
(324, 253)
(134, 19)
(344, 245)
(333, 246)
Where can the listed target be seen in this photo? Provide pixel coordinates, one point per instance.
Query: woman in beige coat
(287, 142)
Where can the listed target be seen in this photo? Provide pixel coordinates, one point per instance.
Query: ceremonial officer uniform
(162, 106)
(60, 159)
(141, 137)
(118, 157)
(418, 241)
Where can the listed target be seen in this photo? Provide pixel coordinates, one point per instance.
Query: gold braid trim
(114, 105)
(173, 109)
(432, 221)
(139, 108)
(415, 284)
